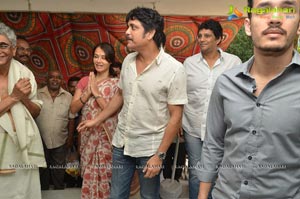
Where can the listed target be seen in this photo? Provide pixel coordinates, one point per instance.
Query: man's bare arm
(204, 189)
(154, 164)
(112, 107)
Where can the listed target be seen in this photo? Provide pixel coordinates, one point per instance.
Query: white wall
(164, 7)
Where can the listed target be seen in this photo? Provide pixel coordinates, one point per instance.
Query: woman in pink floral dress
(91, 96)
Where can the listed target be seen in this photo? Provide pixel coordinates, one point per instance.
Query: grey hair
(9, 33)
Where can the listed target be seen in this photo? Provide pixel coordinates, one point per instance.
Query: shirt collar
(245, 67)
(159, 56)
(219, 50)
(45, 90)
(157, 60)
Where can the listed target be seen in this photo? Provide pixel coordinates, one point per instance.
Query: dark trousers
(70, 180)
(55, 171)
(167, 171)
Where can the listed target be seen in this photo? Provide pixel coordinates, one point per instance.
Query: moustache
(128, 38)
(274, 29)
(21, 56)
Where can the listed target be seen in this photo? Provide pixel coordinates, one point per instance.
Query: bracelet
(98, 96)
(81, 100)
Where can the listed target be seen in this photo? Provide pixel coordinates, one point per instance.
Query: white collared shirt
(54, 117)
(144, 115)
(200, 82)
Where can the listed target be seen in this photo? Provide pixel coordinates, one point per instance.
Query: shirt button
(254, 132)
(258, 104)
(245, 182)
(249, 157)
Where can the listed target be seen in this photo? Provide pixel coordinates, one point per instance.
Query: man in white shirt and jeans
(202, 71)
(152, 90)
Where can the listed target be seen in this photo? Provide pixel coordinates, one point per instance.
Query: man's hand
(153, 167)
(180, 133)
(22, 89)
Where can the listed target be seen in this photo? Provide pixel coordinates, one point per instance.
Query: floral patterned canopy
(65, 41)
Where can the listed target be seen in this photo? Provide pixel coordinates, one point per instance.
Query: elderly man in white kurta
(21, 150)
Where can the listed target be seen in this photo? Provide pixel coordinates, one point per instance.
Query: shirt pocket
(63, 110)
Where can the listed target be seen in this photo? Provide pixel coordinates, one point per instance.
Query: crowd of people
(237, 122)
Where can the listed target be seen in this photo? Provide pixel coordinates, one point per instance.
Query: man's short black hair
(117, 65)
(212, 25)
(250, 5)
(151, 20)
(73, 79)
(22, 37)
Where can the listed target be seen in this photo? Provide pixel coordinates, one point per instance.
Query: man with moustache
(56, 124)
(23, 51)
(252, 140)
(152, 90)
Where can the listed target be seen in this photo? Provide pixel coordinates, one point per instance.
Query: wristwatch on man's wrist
(161, 155)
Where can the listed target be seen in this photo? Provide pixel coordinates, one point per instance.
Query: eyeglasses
(28, 50)
(4, 46)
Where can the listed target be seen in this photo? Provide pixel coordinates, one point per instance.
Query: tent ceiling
(165, 7)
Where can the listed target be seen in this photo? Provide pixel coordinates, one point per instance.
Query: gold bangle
(81, 100)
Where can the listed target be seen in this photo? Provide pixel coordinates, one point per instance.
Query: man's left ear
(247, 23)
(220, 40)
(150, 34)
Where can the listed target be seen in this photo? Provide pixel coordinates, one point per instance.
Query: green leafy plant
(241, 46)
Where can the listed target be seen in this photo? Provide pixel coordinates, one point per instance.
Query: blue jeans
(193, 148)
(123, 168)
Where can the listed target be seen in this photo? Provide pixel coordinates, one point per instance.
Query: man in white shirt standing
(202, 71)
(152, 90)
(56, 125)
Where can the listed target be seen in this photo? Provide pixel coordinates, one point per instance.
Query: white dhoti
(21, 149)
(21, 181)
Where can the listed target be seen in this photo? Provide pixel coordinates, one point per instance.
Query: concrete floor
(74, 193)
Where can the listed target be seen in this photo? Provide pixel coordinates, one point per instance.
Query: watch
(161, 155)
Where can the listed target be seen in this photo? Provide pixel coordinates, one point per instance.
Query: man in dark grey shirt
(252, 144)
